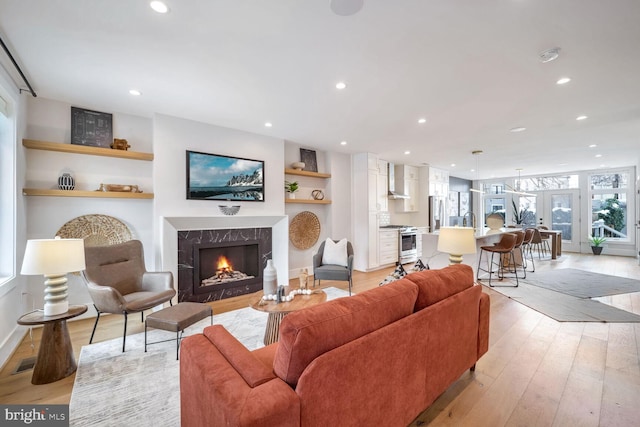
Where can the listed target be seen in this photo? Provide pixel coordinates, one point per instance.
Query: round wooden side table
(55, 357)
(278, 311)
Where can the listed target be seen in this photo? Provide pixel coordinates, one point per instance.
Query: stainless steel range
(407, 242)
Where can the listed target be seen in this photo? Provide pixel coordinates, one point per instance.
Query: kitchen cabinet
(388, 247)
(408, 177)
(438, 182)
(419, 233)
(73, 149)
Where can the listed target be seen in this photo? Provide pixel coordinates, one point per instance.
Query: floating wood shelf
(81, 193)
(83, 149)
(308, 201)
(306, 173)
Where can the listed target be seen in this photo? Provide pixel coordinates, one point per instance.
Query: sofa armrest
(223, 384)
(483, 324)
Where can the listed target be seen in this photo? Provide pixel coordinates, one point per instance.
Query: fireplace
(218, 264)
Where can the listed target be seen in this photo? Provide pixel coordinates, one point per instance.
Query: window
(7, 194)
(609, 195)
(538, 183)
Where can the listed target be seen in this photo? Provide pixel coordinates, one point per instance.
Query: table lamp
(54, 258)
(456, 241)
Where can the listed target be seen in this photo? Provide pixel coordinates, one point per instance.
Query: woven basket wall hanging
(304, 230)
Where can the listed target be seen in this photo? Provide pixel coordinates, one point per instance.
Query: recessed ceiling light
(422, 120)
(549, 55)
(518, 129)
(453, 165)
(472, 170)
(598, 155)
(341, 85)
(268, 124)
(135, 92)
(563, 164)
(407, 152)
(343, 143)
(563, 80)
(159, 6)
(581, 118)
(593, 145)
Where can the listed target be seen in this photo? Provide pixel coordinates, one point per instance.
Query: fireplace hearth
(218, 264)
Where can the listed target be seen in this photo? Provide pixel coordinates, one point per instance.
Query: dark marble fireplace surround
(192, 241)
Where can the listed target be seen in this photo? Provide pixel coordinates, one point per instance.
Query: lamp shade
(457, 240)
(53, 256)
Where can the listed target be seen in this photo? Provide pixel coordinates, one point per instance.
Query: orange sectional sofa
(377, 358)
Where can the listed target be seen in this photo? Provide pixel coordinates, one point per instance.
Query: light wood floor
(538, 372)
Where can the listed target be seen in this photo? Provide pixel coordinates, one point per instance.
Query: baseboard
(12, 342)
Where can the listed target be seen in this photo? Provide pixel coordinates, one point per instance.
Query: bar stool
(545, 239)
(526, 248)
(520, 234)
(504, 249)
(538, 242)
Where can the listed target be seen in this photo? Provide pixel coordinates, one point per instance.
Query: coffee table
(278, 311)
(55, 359)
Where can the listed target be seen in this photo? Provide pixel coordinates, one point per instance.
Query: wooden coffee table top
(298, 303)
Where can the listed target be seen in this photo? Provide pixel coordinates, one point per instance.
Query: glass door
(560, 210)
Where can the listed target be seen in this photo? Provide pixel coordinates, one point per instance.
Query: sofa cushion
(436, 285)
(308, 333)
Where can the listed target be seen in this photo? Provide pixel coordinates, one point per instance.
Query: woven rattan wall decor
(304, 230)
(96, 230)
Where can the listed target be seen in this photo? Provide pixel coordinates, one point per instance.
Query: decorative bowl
(298, 165)
(229, 210)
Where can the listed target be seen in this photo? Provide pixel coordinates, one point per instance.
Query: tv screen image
(219, 177)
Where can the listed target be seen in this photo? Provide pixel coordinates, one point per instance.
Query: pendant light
(517, 189)
(477, 153)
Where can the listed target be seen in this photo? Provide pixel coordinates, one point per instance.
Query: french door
(560, 210)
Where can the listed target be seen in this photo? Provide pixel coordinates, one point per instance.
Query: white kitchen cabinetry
(388, 248)
(420, 232)
(382, 187)
(438, 182)
(408, 177)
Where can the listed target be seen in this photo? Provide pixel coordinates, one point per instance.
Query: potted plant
(596, 244)
(291, 187)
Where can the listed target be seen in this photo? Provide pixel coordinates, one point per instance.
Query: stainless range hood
(392, 184)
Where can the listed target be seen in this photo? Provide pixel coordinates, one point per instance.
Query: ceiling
(470, 68)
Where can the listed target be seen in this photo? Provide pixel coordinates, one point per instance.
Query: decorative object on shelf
(269, 279)
(317, 195)
(596, 244)
(119, 188)
(303, 277)
(220, 177)
(91, 128)
(120, 144)
(66, 182)
(291, 187)
(229, 210)
(54, 258)
(308, 157)
(297, 166)
(96, 230)
(304, 230)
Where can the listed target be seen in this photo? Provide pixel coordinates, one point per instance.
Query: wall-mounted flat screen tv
(218, 177)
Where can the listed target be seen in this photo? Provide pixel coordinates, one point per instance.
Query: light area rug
(565, 295)
(138, 389)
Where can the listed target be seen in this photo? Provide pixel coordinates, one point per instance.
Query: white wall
(49, 120)
(11, 306)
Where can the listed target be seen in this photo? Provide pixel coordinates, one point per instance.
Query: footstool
(176, 319)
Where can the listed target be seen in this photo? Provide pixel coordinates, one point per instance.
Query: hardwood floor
(538, 372)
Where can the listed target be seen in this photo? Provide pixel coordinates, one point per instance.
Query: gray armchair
(331, 271)
(119, 283)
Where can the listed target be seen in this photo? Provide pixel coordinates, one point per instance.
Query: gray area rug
(564, 295)
(138, 389)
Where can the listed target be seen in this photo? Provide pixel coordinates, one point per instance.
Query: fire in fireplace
(225, 273)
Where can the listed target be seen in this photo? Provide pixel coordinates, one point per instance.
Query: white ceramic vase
(269, 279)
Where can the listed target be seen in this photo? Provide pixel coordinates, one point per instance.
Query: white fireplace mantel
(279, 236)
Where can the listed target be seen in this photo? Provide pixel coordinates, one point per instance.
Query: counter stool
(504, 249)
(538, 242)
(518, 247)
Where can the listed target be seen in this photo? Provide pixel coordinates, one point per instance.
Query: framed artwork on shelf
(92, 128)
(308, 157)
(219, 177)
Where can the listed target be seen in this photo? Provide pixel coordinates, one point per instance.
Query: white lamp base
(55, 294)
(455, 259)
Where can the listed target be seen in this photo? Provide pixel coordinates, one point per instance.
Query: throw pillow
(419, 266)
(335, 253)
(398, 273)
